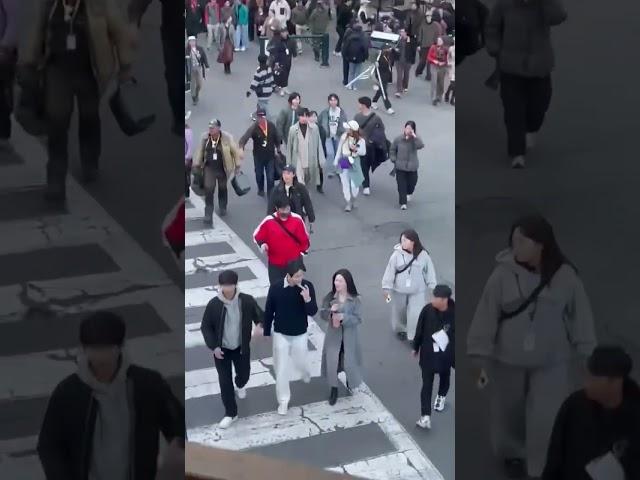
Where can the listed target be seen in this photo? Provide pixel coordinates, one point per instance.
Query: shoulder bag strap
(406, 267)
(524, 305)
(287, 231)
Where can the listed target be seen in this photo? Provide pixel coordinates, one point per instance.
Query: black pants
(187, 180)
(345, 71)
(427, 387)
(242, 364)
(376, 97)
(276, 274)
(252, 24)
(7, 74)
(265, 172)
(407, 182)
(365, 163)
(173, 53)
(525, 102)
(340, 31)
(227, 68)
(64, 84)
(219, 181)
(450, 95)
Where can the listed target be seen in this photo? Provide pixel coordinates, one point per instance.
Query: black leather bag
(124, 106)
(240, 184)
(29, 110)
(197, 185)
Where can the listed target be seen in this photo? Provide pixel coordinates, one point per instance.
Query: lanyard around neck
(70, 13)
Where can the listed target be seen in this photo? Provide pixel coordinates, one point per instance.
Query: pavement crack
(302, 415)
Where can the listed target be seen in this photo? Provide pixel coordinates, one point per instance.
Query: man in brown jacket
(81, 45)
(219, 157)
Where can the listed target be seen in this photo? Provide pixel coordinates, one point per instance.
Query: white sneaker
(391, 111)
(236, 49)
(531, 140)
(438, 405)
(242, 393)
(366, 191)
(409, 197)
(403, 207)
(424, 422)
(282, 93)
(226, 422)
(518, 162)
(306, 378)
(374, 106)
(243, 49)
(283, 408)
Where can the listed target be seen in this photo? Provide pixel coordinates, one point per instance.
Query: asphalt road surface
(581, 177)
(102, 251)
(371, 434)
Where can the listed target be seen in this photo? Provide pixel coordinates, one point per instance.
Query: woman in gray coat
(342, 308)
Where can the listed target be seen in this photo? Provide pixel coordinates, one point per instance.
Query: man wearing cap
(220, 157)
(266, 142)
(297, 193)
(434, 345)
(598, 427)
(198, 64)
(104, 421)
(304, 150)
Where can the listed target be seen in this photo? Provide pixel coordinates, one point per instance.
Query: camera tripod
(371, 71)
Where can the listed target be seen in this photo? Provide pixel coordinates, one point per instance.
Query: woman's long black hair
(412, 235)
(351, 285)
(538, 229)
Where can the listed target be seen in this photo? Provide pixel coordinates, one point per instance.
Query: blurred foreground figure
(8, 54)
(103, 422)
(73, 50)
(596, 435)
(171, 35)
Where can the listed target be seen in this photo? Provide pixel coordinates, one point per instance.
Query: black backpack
(471, 19)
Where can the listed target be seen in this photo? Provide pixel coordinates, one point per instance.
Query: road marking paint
(218, 263)
(200, 297)
(393, 466)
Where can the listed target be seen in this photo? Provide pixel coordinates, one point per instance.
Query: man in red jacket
(283, 237)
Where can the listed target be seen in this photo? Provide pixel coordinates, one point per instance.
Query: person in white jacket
(351, 148)
(407, 283)
(281, 12)
(532, 321)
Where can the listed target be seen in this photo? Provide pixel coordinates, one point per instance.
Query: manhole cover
(391, 229)
(491, 214)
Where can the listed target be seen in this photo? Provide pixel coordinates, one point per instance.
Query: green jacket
(242, 14)
(318, 20)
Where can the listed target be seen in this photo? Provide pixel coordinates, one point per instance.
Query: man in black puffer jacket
(105, 420)
(296, 192)
(437, 318)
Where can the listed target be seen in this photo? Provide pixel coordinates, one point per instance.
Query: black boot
(333, 396)
(55, 192)
(515, 468)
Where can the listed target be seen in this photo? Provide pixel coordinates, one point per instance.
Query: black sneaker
(208, 221)
(223, 211)
(319, 188)
(260, 193)
(90, 174)
(401, 335)
(515, 468)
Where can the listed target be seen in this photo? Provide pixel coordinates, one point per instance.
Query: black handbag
(29, 110)
(123, 104)
(197, 185)
(240, 184)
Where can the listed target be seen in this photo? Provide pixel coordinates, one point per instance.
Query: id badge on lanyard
(70, 14)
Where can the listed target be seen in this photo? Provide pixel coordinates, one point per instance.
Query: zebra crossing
(358, 436)
(55, 266)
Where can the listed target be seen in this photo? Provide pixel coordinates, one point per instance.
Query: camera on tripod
(383, 40)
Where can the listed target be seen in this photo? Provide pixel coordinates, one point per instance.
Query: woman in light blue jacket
(347, 162)
(407, 283)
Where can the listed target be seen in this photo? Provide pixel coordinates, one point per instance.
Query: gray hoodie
(562, 319)
(231, 337)
(416, 279)
(518, 33)
(111, 447)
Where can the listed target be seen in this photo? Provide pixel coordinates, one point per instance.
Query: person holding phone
(342, 310)
(404, 155)
(289, 305)
(533, 319)
(434, 345)
(406, 283)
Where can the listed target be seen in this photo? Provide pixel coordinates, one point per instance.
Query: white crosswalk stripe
(29, 372)
(405, 462)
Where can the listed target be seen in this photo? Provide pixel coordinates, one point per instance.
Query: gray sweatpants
(524, 405)
(405, 310)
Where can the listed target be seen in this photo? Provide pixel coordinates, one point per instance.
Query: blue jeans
(355, 69)
(331, 145)
(242, 36)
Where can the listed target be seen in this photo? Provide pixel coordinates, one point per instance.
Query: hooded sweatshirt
(232, 321)
(415, 279)
(111, 447)
(560, 321)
